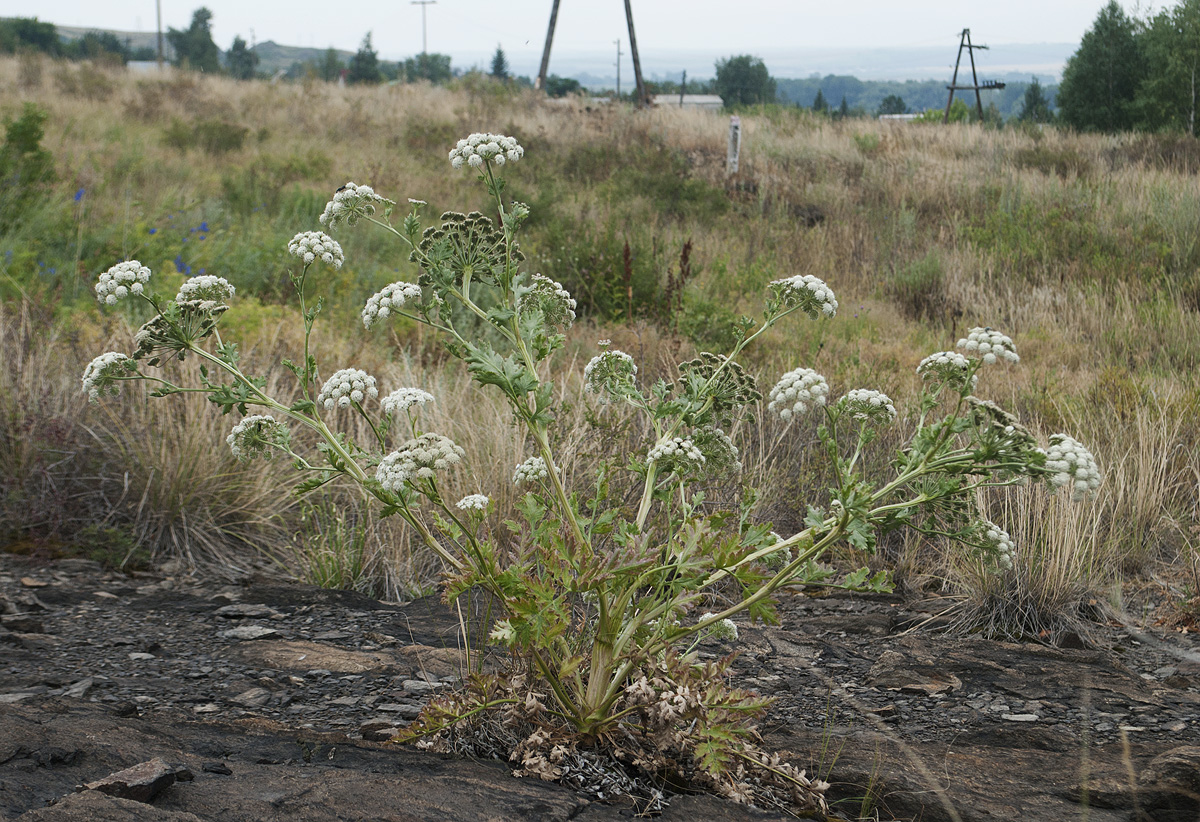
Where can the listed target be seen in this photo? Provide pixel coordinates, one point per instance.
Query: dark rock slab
(92, 806)
(141, 783)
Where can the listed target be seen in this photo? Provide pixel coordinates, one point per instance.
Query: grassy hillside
(1085, 249)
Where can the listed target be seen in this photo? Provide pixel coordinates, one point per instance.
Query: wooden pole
(974, 76)
(637, 64)
(540, 83)
(954, 80)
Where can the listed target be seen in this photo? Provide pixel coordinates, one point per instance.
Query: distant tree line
(1135, 74)
(18, 34)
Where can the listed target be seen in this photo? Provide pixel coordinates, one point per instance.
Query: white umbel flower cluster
(810, 294)
(349, 203)
(478, 149)
(206, 287)
(868, 405)
(1072, 466)
(347, 386)
(418, 459)
(609, 372)
(532, 470)
(726, 629)
(258, 436)
(123, 279)
(796, 392)
(472, 502)
(556, 303)
(676, 451)
(989, 345)
(102, 373)
(311, 246)
(947, 367)
(391, 297)
(998, 544)
(404, 398)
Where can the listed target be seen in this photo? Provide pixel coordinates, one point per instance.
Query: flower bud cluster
(720, 454)
(347, 386)
(350, 203)
(418, 459)
(472, 502)
(1072, 465)
(258, 436)
(947, 368)
(610, 372)
(868, 405)
(177, 330)
(554, 301)
(998, 544)
(404, 398)
(477, 149)
(726, 629)
(311, 246)
(123, 279)
(677, 452)
(989, 345)
(796, 391)
(392, 297)
(808, 293)
(206, 287)
(530, 471)
(102, 373)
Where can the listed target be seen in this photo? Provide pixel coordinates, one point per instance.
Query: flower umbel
(311, 246)
(610, 373)
(205, 287)
(350, 203)
(347, 386)
(123, 279)
(808, 293)
(532, 470)
(678, 453)
(478, 149)
(1071, 465)
(796, 392)
(102, 374)
(392, 297)
(947, 368)
(868, 405)
(989, 345)
(177, 329)
(554, 301)
(472, 502)
(418, 459)
(998, 545)
(726, 629)
(258, 436)
(404, 398)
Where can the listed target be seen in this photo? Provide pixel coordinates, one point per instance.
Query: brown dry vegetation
(1085, 249)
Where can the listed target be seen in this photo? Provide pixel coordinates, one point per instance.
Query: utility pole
(158, 7)
(423, 4)
(637, 64)
(965, 43)
(618, 42)
(682, 88)
(540, 82)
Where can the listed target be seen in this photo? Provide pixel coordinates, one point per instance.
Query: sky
(470, 30)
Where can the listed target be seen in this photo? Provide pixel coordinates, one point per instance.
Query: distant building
(146, 66)
(708, 102)
(903, 118)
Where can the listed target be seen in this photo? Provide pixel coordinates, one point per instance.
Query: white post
(735, 144)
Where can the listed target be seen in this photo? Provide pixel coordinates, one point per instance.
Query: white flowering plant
(603, 601)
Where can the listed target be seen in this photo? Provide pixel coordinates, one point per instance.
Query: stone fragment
(1178, 769)
(217, 768)
(379, 730)
(247, 610)
(140, 783)
(253, 698)
(79, 689)
(138, 656)
(400, 709)
(1021, 717)
(20, 696)
(897, 672)
(417, 686)
(248, 632)
(23, 623)
(30, 582)
(207, 708)
(333, 635)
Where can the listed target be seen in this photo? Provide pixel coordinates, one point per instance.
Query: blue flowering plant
(602, 596)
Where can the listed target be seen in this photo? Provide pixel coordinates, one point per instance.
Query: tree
(364, 65)
(1035, 108)
(194, 46)
(820, 104)
(1101, 79)
(241, 61)
(330, 67)
(744, 81)
(561, 86)
(893, 104)
(1167, 95)
(499, 64)
(432, 67)
(843, 110)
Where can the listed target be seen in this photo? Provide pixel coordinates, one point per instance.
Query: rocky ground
(270, 701)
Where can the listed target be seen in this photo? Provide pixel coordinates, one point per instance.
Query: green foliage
(499, 65)
(194, 46)
(242, 61)
(364, 65)
(1063, 161)
(432, 67)
(919, 288)
(1170, 87)
(820, 104)
(1035, 108)
(562, 86)
(23, 161)
(1101, 79)
(214, 137)
(892, 104)
(744, 81)
(29, 33)
(330, 67)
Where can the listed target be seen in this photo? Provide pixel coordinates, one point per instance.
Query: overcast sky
(466, 29)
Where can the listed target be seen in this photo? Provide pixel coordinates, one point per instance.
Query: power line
(423, 4)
